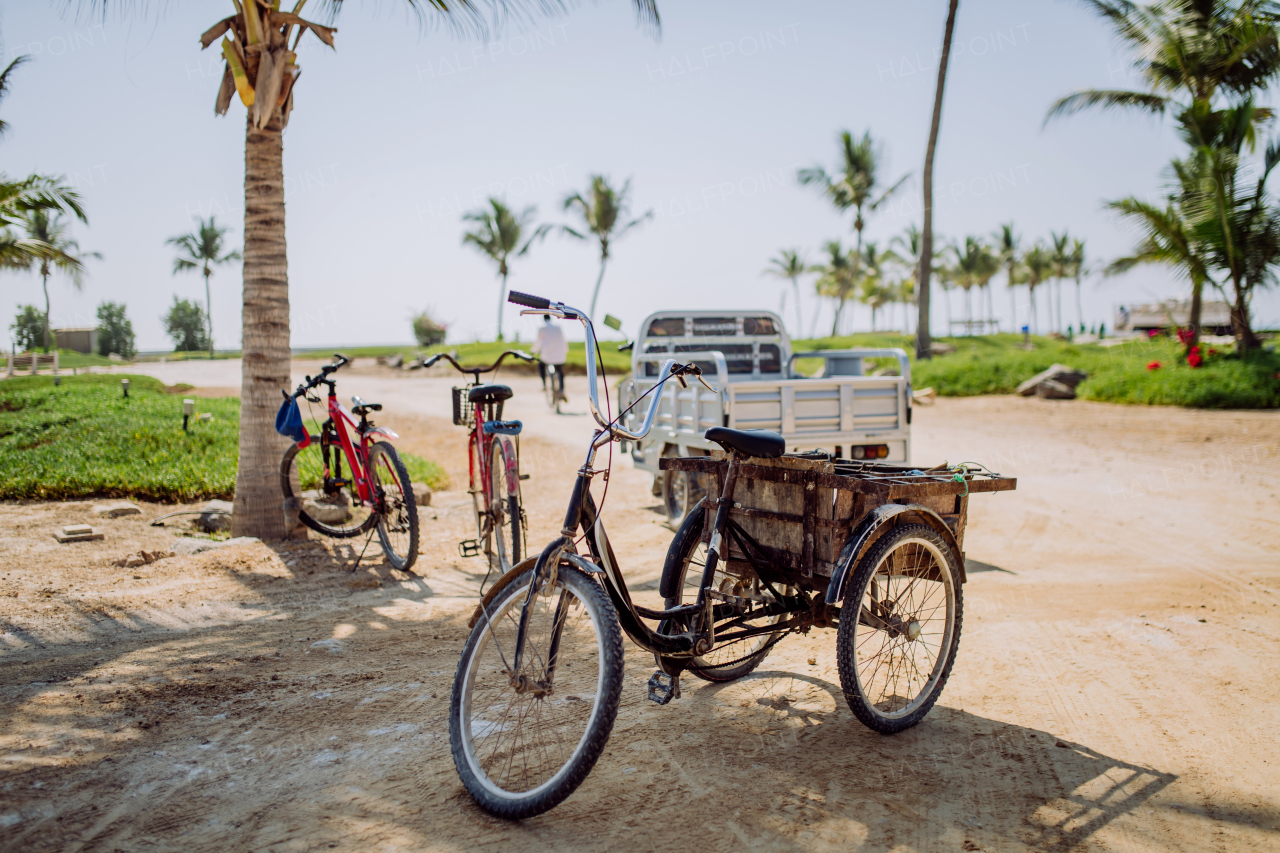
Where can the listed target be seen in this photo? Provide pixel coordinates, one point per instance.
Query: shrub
(28, 328)
(185, 324)
(427, 330)
(115, 331)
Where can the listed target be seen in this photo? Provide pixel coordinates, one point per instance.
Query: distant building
(1215, 317)
(80, 339)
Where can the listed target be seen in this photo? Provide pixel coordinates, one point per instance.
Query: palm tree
(836, 278)
(1038, 262)
(789, 264)
(1061, 270)
(1007, 241)
(975, 265)
(601, 211)
(1078, 272)
(203, 249)
(924, 343)
(262, 71)
(872, 291)
(497, 236)
(49, 247)
(22, 197)
(856, 183)
(1188, 53)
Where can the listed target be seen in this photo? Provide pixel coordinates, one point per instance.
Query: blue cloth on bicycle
(289, 422)
(503, 427)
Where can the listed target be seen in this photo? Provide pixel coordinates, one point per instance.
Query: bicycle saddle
(748, 442)
(360, 407)
(489, 394)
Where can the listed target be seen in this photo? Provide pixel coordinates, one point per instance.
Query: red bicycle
(375, 493)
(493, 451)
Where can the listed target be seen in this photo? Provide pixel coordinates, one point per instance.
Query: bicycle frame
(480, 440)
(583, 514)
(344, 425)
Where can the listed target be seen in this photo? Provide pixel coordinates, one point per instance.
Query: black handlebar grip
(528, 300)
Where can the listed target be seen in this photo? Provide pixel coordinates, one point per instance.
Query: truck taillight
(870, 451)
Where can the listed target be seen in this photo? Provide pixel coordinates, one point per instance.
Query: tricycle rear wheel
(899, 628)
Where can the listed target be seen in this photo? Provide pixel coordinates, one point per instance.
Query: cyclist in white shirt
(551, 348)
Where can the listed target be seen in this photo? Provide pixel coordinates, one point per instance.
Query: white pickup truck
(747, 357)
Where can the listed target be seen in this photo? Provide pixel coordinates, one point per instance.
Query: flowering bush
(1153, 365)
(1194, 359)
(1185, 336)
(1152, 333)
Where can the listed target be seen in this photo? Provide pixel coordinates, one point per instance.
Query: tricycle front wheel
(899, 628)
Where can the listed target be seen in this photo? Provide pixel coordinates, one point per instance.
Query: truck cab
(748, 358)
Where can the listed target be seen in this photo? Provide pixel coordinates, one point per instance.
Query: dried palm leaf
(211, 35)
(288, 106)
(264, 101)
(325, 34)
(243, 86)
(225, 91)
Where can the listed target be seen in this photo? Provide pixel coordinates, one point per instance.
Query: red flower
(1153, 365)
(1194, 360)
(1185, 336)
(1151, 333)
(1212, 351)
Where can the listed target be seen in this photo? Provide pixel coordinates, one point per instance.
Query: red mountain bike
(493, 452)
(375, 493)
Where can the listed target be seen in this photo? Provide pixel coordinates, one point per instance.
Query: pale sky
(397, 133)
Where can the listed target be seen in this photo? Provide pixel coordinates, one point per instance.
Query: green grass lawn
(996, 364)
(83, 439)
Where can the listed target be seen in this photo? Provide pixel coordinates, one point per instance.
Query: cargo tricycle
(781, 544)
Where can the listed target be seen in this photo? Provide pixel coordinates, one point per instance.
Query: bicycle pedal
(663, 687)
(469, 548)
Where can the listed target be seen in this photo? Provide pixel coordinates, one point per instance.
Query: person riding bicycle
(551, 348)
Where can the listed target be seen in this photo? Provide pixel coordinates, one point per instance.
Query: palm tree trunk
(502, 300)
(968, 309)
(1035, 321)
(1059, 308)
(795, 285)
(1245, 338)
(1193, 319)
(835, 323)
(45, 277)
(924, 344)
(1079, 306)
(1013, 301)
(595, 294)
(265, 339)
(208, 311)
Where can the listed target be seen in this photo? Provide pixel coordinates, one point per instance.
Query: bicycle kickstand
(367, 540)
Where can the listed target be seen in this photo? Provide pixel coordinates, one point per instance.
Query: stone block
(215, 516)
(118, 510)
(78, 533)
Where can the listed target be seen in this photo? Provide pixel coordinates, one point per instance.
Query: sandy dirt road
(1114, 688)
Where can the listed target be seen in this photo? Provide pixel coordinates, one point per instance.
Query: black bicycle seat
(489, 394)
(360, 407)
(748, 442)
